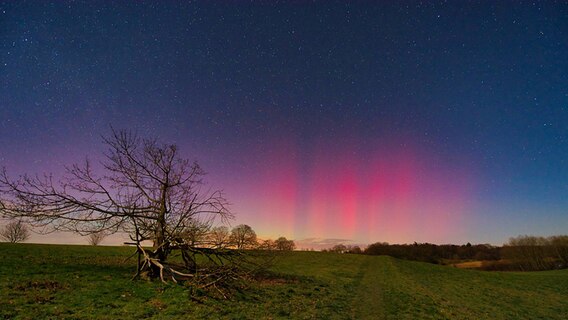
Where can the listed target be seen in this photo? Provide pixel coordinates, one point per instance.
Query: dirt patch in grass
(157, 304)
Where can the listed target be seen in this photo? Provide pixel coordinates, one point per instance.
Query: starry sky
(324, 122)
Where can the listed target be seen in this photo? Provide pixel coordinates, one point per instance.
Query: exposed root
(218, 269)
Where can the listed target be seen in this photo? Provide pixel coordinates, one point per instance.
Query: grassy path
(368, 302)
(395, 289)
(387, 293)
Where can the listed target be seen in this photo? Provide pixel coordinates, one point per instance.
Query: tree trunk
(161, 228)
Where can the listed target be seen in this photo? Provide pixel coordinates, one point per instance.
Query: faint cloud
(321, 243)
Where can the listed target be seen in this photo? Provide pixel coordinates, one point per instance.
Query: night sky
(322, 122)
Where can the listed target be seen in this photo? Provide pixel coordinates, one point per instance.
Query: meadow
(70, 282)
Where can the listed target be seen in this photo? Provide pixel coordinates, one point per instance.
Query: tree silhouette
(15, 231)
(243, 237)
(219, 237)
(96, 238)
(143, 188)
(284, 244)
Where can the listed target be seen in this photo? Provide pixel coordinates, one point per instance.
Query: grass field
(48, 281)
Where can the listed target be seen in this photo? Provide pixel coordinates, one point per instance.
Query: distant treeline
(433, 253)
(529, 253)
(522, 253)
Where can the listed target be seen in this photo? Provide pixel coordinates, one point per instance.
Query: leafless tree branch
(141, 187)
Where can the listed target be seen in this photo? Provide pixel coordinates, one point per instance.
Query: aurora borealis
(440, 122)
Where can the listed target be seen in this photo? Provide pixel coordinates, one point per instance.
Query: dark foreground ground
(48, 281)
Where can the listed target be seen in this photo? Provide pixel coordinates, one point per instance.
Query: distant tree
(15, 231)
(485, 252)
(559, 246)
(284, 244)
(267, 244)
(339, 248)
(96, 238)
(219, 237)
(528, 251)
(243, 237)
(354, 249)
(195, 234)
(143, 188)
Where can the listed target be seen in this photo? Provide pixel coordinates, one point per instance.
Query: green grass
(48, 281)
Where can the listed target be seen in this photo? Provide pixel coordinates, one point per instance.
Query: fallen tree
(142, 188)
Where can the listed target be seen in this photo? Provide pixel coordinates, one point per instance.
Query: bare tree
(528, 251)
(339, 248)
(15, 231)
(143, 188)
(559, 245)
(195, 234)
(96, 238)
(284, 244)
(243, 237)
(267, 244)
(219, 237)
(354, 249)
